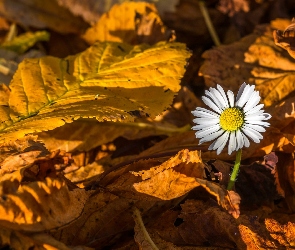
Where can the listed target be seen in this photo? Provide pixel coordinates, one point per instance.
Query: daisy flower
(230, 120)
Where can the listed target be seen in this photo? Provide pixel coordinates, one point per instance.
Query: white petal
(245, 95)
(205, 110)
(265, 124)
(207, 131)
(211, 136)
(231, 98)
(259, 117)
(203, 114)
(240, 141)
(255, 127)
(221, 147)
(221, 91)
(215, 99)
(241, 89)
(206, 121)
(220, 140)
(253, 101)
(257, 113)
(216, 96)
(232, 143)
(201, 126)
(212, 105)
(267, 116)
(255, 109)
(253, 134)
(246, 141)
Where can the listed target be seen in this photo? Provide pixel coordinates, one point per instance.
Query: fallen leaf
(285, 39)
(173, 178)
(229, 200)
(204, 223)
(107, 216)
(40, 15)
(254, 59)
(84, 135)
(284, 234)
(71, 88)
(233, 7)
(39, 206)
(129, 22)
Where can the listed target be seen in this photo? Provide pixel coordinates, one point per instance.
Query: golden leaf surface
(40, 205)
(108, 81)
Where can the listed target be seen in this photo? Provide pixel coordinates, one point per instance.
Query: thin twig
(208, 22)
(139, 222)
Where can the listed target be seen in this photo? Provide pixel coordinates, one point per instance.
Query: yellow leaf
(108, 81)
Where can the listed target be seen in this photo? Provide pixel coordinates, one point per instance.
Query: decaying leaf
(203, 222)
(255, 59)
(286, 38)
(173, 178)
(39, 206)
(229, 200)
(129, 22)
(84, 135)
(40, 15)
(108, 81)
(232, 7)
(284, 234)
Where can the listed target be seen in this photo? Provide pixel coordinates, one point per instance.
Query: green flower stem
(235, 171)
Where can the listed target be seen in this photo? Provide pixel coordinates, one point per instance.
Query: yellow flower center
(231, 119)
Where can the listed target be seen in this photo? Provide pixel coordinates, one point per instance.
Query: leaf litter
(144, 183)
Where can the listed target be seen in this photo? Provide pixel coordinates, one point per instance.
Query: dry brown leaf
(39, 206)
(40, 15)
(231, 7)
(89, 10)
(129, 22)
(106, 217)
(254, 59)
(20, 240)
(84, 135)
(254, 241)
(286, 39)
(229, 200)
(284, 234)
(285, 178)
(173, 178)
(203, 222)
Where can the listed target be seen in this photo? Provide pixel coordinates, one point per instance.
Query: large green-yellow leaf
(108, 81)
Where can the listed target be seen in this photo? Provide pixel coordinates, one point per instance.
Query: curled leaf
(173, 178)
